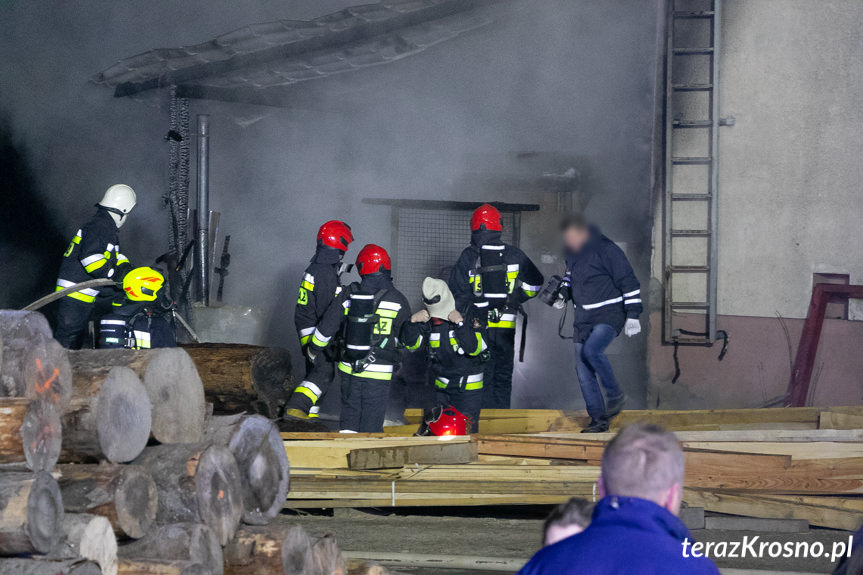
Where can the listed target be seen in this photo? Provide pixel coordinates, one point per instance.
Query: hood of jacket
(481, 238)
(326, 255)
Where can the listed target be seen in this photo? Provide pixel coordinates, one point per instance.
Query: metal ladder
(691, 171)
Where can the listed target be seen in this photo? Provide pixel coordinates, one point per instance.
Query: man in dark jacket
(634, 529)
(140, 321)
(375, 321)
(94, 253)
(319, 288)
(490, 281)
(607, 299)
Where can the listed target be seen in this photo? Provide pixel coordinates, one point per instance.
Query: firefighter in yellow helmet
(142, 319)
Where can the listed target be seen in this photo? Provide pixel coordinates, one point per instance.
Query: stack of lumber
(795, 463)
(110, 463)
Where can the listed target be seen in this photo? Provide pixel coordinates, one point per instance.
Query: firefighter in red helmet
(319, 288)
(373, 321)
(490, 282)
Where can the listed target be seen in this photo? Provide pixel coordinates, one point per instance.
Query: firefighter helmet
(448, 421)
(372, 259)
(335, 234)
(143, 284)
(486, 215)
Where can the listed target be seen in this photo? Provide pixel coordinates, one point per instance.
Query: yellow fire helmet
(143, 284)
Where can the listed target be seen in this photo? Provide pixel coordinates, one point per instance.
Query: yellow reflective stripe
(78, 295)
(530, 293)
(308, 286)
(440, 384)
(305, 339)
(298, 413)
(434, 342)
(478, 349)
(95, 265)
(502, 324)
(416, 345)
(383, 376)
(391, 313)
(76, 240)
(122, 259)
(319, 342)
(473, 386)
(307, 392)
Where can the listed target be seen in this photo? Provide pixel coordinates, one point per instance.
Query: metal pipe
(202, 252)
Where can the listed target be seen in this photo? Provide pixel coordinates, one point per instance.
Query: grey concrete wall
(791, 193)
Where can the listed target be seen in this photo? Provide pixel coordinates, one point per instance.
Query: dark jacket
(524, 279)
(454, 351)
(94, 253)
(319, 288)
(136, 325)
(394, 326)
(627, 536)
(604, 288)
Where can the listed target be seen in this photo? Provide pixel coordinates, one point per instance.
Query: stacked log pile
(110, 463)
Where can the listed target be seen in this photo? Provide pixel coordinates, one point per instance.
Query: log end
(177, 397)
(263, 462)
(48, 374)
(41, 436)
(218, 487)
(99, 544)
(136, 502)
(297, 556)
(123, 414)
(44, 513)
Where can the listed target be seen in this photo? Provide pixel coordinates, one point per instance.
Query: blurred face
(574, 238)
(557, 533)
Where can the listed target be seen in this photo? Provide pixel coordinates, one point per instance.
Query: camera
(557, 287)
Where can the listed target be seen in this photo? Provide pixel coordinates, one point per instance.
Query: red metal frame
(801, 375)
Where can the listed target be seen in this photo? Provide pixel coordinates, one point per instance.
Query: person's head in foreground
(566, 520)
(634, 528)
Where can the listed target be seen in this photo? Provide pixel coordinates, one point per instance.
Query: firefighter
(457, 350)
(140, 322)
(491, 281)
(373, 322)
(607, 299)
(94, 253)
(320, 286)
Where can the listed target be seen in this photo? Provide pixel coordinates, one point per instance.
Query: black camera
(557, 287)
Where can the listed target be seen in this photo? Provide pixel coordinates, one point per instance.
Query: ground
(507, 534)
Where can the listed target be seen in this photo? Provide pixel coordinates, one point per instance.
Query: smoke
(573, 77)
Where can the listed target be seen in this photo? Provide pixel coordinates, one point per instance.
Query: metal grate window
(429, 242)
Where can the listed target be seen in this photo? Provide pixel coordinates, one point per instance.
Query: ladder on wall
(690, 213)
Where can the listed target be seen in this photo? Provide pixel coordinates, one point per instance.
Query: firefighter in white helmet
(94, 253)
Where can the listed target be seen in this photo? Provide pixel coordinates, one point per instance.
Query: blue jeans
(590, 362)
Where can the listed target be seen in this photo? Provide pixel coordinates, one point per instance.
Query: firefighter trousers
(497, 389)
(364, 403)
(73, 318)
(308, 395)
(468, 402)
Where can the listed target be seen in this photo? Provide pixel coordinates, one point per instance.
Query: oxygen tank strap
(523, 342)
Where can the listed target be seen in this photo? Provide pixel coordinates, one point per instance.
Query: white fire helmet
(119, 200)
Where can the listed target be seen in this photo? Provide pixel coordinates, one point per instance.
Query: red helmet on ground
(336, 234)
(486, 215)
(372, 259)
(449, 421)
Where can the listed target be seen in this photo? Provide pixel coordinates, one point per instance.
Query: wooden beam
(401, 455)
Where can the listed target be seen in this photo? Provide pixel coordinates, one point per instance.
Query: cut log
(297, 558)
(109, 419)
(125, 495)
(46, 567)
(327, 558)
(241, 378)
(197, 483)
(170, 379)
(257, 446)
(190, 543)
(88, 537)
(32, 363)
(156, 567)
(30, 433)
(31, 513)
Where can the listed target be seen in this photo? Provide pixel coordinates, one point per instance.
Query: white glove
(632, 327)
(559, 303)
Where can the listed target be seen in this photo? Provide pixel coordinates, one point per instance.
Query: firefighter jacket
(319, 288)
(456, 352)
(603, 286)
(94, 253)
(136, 325)
(521, 280)
(392, 329)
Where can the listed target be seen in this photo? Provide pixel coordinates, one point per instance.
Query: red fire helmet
(450, 421)
(486, 215)
(336, 234)
(371, 259)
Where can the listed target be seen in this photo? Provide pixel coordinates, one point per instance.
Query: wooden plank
(797, 450)
(401, 455)
(814, 509)
(837, 420)
(333, 453)
(744, 436)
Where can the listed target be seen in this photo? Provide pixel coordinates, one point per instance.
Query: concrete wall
(790, 197)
